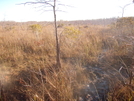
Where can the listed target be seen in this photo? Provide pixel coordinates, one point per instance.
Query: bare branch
(43, 6)
(65, 5)
(123, 8)
(61, 11)
(40, 8)
(53, 4)
(29, 3)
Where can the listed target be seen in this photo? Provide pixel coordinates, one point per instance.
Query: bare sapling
(51, 3)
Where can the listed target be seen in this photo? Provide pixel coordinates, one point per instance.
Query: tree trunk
(57, 39)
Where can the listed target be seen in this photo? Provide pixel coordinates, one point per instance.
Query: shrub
(71, 32)
(36, 27)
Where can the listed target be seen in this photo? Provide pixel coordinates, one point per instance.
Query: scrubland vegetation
(90, 56)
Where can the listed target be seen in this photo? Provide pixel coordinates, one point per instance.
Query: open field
(97, 62)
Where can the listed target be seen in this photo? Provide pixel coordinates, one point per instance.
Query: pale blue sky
(81, 10)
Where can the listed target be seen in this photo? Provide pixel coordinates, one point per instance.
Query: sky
(76, 10)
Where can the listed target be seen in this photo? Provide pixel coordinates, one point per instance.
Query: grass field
(28, 62)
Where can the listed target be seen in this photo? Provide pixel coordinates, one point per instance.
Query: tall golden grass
(28, 62)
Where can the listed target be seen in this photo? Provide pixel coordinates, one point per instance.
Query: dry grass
(28, 63)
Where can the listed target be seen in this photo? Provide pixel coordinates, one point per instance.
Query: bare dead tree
(123, 8)
(52, 4)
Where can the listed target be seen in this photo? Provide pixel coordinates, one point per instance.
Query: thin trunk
(57, 39)
(123, 12)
